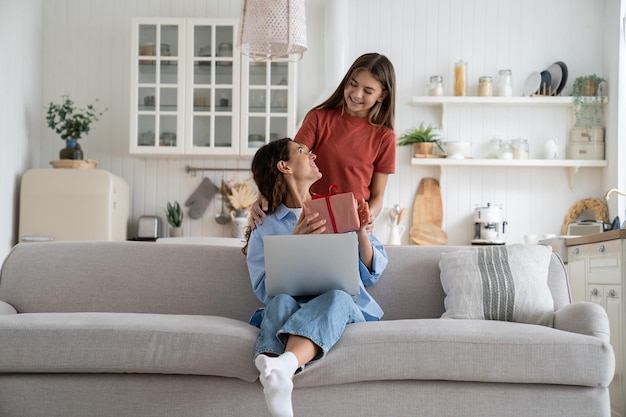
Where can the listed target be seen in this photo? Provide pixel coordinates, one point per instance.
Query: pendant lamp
(273, 30)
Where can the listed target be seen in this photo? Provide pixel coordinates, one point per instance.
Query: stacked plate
(549, 82)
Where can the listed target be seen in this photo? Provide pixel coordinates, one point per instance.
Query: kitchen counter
(598, 237)
(203, 240)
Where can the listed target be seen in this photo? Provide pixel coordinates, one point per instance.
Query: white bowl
(456, 149)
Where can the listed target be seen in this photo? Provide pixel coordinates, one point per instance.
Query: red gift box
(339, 209)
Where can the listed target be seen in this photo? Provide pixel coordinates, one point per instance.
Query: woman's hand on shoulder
(257, 212)
(309, 224)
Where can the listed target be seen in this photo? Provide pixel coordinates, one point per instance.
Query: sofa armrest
(6, 308)
(585, 318)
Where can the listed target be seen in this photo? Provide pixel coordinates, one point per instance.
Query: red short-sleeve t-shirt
(349, 150)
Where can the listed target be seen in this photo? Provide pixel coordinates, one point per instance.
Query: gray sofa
(144, 329)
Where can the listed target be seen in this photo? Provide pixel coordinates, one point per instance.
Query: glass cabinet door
(212, 121)
(157, 92)
(193, 93)
(268, 103)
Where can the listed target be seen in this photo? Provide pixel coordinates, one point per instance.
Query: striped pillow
(507, 283)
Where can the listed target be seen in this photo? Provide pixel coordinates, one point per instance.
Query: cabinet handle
(612, 293)
(601, 248)
(594, 292)
(576, 251)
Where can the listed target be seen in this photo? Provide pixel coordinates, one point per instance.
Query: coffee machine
(489, 225)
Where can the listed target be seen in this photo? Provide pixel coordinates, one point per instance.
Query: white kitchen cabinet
(197, 95)
(212, 86)
(596, 274)
(185, 92)
(157, 86)
(268, 105)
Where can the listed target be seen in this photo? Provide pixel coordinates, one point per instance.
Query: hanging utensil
(394, 212)
(224, 216)
(401, 215)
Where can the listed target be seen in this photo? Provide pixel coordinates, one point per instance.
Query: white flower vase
(395, 234)
(239, 223)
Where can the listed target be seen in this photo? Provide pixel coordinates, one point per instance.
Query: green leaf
(69, 121)
(174, 214)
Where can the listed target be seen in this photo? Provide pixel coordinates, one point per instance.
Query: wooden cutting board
(428, 234)
(427, 207)
(428, 215)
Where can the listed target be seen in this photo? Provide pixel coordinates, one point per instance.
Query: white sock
(287, 363)
(278, 387)
(275, 376)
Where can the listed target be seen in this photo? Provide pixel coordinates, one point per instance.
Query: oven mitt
(199, 200)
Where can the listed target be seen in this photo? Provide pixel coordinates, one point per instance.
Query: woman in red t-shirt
(352, 133)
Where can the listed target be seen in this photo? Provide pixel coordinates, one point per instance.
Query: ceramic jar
(239, 223)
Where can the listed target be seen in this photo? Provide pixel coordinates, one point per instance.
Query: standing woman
(297, 330)
(352, 133)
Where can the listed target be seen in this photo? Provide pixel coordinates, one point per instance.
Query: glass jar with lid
(165, 51)
(435, 86)
(492, 148)
(460, 78)
(520, 148)
(485, 86)
(505, 83)
(505, 151)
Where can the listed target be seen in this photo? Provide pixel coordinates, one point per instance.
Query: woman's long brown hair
(383, 113)
(269, 180)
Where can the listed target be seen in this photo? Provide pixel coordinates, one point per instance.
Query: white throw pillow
(507, 283)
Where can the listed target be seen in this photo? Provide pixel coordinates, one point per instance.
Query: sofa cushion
(127, 343)
(462, 350)
(507, 283)
(128, 277)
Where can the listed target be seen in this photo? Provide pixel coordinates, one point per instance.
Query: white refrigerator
(73, 204)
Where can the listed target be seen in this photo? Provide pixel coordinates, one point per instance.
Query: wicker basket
(74, 163)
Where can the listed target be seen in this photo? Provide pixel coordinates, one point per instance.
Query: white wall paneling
(89, 59)
(524, 36)
(84, 52)
(20, 106)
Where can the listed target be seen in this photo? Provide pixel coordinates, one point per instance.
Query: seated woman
(295, 331)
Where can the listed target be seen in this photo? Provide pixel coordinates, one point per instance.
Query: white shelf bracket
(442, 174)
(444, 118)
(572, 171)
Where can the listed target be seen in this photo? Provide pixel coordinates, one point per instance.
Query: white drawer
(605, 262)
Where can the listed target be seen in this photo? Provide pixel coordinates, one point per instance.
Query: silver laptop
(309, 265)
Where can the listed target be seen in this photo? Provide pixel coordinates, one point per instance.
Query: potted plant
(174, 214)
(588, 86)
(588, 96)
(71, 123)
(424, 139)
